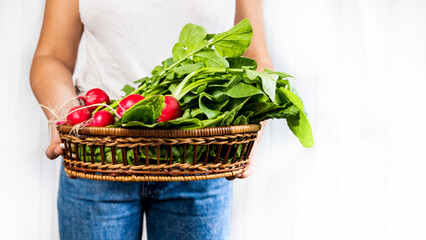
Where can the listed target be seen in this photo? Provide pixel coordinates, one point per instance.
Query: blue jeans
(91, 209)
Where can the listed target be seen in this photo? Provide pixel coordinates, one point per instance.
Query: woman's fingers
(245, 174)
(233, 177)
(249, 170)
(71, 176)
(54, 150)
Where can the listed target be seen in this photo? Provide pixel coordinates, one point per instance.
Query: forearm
(253, 10)
(51, 82)
(54, 61)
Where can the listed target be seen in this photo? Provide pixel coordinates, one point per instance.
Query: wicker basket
(135, 155)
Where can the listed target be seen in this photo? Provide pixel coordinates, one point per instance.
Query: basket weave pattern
(207, 153)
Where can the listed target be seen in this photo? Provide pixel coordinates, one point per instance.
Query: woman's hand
(54, 150)
(252, 158)
(250, 164)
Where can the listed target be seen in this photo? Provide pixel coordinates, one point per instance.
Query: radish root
(57, 119)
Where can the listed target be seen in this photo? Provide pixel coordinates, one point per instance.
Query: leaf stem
(184, 58)
(193, 85)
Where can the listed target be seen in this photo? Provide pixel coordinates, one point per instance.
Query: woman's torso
(125, 39)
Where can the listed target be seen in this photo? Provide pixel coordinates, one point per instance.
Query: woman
(123, 40)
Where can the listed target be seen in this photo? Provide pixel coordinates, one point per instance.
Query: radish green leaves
(216, 86)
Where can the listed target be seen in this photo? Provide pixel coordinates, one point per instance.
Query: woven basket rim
(144, 132)
(150, 178)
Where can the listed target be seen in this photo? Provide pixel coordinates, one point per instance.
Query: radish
(171, 109)
(128, 102)
(78, 116)
(102, 118)
(95, 96)
(61, 122)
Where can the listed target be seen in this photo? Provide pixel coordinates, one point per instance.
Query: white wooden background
(360, 66)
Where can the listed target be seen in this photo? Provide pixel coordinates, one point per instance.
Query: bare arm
(54, 60)
(253, 10)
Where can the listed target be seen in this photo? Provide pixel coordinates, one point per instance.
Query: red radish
(102, 118)
(128, 102)
(95, 96)
(171, 109)
(61, 122)
(78, 116)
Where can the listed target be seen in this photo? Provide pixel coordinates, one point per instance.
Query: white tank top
(125, 39)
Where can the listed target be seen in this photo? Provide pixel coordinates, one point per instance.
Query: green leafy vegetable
(215, 86)
(233, 43)
(242, 62)
(127, 89)
(143, 113)
(302, 129)
(243, 90)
